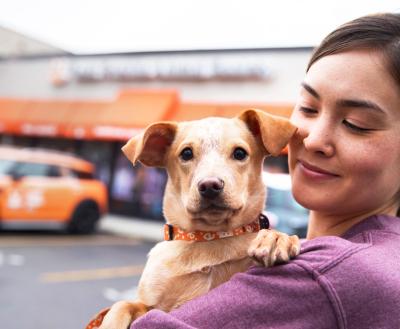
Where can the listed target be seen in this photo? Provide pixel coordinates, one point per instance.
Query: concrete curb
(138, 228)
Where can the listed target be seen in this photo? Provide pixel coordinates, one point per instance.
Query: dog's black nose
(210, 187)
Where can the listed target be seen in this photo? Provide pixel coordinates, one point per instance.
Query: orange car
(46, 187)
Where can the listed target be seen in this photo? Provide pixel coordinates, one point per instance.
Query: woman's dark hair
(379, 32)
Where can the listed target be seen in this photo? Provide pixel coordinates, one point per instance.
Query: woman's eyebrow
(311, 90)
(355, 103)
(358, 103)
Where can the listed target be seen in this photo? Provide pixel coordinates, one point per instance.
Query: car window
(6, 166)
(31, 169)
(53, 171)
(82, 174)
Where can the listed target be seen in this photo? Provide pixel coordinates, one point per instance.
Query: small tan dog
(212, 203)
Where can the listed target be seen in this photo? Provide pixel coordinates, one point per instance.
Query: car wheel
(84, 218)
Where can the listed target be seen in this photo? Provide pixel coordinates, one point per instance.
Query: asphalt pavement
(133, 227)
(52, 280)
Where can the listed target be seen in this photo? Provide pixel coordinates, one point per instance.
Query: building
(14, 44)
(92, 104)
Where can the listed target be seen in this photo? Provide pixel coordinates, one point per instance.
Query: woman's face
(345, 157)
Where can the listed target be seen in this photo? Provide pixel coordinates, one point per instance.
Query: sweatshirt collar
(375, 222)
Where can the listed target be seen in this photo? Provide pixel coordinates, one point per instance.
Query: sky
(104, 26)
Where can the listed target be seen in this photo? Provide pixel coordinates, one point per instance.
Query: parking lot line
(92, 274)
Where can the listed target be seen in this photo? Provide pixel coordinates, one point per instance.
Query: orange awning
(120, 119)
(83, 117)
(43, 118)
(230, 110)
(11, 111)
(194, 111)
(132, 111)
(116, 120)
(139, 108)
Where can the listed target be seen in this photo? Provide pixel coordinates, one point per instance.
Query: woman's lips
(315, 172)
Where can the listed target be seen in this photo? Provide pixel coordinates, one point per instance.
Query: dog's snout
(210, 187)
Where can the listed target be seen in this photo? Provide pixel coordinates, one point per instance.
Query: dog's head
(214, 166)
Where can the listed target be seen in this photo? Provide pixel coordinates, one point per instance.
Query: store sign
(174, 69)
(39, 129)
(120, 133)
(104, 132)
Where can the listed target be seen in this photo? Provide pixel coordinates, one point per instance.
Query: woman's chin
(313, 198)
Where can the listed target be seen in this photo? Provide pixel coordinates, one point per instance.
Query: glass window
(6, 166)
(53, 171)
(100, 154)
(81, 174)
(31, 169)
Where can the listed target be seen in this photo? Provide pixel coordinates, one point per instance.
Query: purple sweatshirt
(351, 281)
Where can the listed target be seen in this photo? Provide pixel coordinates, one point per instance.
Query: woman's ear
(151, 146)
(274, 131)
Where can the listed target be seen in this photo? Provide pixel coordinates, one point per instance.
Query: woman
(345, 167)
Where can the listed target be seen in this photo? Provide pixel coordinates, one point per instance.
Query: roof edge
(158, 52)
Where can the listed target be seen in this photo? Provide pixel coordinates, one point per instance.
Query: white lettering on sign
(166, 69)
(39, 129)
(79, 132)
(117, 132)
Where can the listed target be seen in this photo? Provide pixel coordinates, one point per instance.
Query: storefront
(96, 131)
(91, 105)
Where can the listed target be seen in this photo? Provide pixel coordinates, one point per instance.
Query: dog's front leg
(271, 247)
(122, 314)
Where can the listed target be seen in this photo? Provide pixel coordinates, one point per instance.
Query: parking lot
(50, 280)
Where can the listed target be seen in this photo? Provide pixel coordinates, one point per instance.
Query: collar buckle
(263, 221)
(168, 232)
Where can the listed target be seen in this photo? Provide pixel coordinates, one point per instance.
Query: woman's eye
(186, 154)
(355, 128)
(239, 154)
(307, 110)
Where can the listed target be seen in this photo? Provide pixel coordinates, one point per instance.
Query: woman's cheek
(295, 118)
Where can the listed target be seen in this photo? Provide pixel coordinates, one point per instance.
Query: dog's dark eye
(239, 153)
(186, 154)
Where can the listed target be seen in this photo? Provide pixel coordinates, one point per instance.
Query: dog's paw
(122, 314)
(123, 321)
(272, 247)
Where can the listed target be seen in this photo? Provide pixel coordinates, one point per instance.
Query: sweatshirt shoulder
(321, 254)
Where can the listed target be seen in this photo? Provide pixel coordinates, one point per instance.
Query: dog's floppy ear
(150, 147)
(274, 131)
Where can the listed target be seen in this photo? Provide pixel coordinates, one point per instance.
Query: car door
(36, 192)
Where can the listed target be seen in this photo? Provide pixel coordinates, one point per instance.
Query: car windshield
(6, 166)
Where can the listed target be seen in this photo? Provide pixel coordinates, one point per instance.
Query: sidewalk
(139, 228)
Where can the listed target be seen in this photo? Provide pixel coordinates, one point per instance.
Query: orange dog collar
(175, 233)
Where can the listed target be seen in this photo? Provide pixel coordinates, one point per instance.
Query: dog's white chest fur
(183, 270)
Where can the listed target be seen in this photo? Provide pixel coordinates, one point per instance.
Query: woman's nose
(318, 137)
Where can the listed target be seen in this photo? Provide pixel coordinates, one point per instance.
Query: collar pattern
(175, 233)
